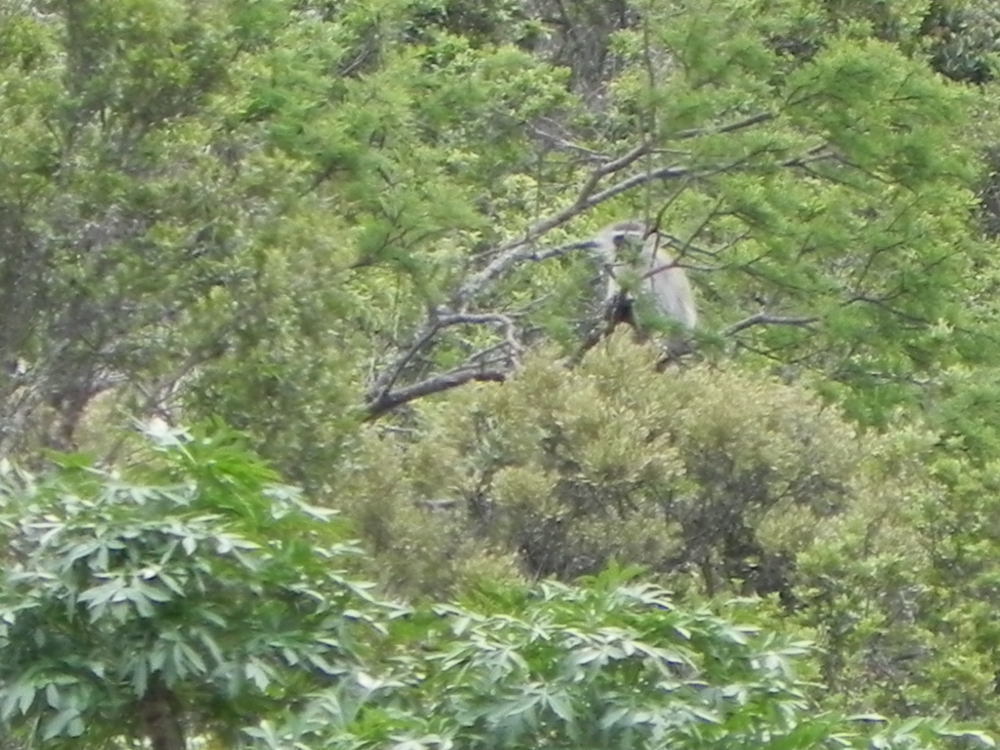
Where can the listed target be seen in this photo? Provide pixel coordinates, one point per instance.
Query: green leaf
(258, 674)
(561, 705)
(67, 722)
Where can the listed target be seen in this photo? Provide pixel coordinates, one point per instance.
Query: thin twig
(739, 125)
(383, 385)
(512, 252)
(569, 145)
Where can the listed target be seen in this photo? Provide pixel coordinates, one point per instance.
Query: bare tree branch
(389, 400)
(515, 251)
(568, 145)
(739, 125)
(765, 319)
(381, 390)
(512, 252)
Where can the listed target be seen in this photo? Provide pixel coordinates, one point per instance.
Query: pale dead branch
(758, 319)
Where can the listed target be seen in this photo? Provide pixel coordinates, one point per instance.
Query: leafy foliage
(338, 226)
(194, 579)
(611, 663)
(288, 213)
(715, 472)
(194, 596)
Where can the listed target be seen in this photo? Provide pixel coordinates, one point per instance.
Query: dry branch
(758, 319)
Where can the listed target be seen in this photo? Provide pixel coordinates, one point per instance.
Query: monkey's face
(628, 245)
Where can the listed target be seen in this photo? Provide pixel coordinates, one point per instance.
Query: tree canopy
(281, 274)
(124, 614)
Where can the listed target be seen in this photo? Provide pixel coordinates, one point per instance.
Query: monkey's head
(617, 239)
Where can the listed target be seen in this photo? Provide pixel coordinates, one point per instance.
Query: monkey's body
(639, 270)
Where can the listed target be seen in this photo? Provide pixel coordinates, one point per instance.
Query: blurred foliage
(246, 210)
(718, 482)
(195, 599)
(964, 39)
(579, 667)
(211, 208)
(703, 470)
(125, 597)
(315, 220)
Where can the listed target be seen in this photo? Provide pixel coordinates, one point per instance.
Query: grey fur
(661, 278)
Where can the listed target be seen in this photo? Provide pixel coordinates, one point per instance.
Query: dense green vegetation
(345, 238)
(195, 596)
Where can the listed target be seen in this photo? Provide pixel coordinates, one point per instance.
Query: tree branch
(738, 125)
(383, 396)
(389, 400)
(568, 145)
(382, 390)
(514, 251)
(765, 319)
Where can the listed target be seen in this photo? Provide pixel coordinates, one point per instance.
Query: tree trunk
(160, 717)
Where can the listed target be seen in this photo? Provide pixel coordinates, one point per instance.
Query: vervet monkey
(638, 267)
